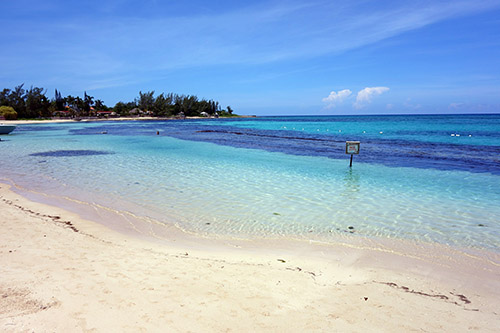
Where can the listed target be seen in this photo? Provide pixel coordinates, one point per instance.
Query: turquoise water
(252, 178)
(461, 129)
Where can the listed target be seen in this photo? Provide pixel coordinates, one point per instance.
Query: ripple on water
(250, 192)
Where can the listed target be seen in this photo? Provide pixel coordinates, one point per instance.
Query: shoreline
(62, 120)
(56, 265)
(148, 229)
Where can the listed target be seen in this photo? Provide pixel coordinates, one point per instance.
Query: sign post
(352, 147)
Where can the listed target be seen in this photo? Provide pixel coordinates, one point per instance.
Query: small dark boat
(6, 129)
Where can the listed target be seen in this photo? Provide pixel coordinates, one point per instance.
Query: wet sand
(60, 272)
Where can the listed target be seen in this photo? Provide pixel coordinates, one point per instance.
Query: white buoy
(453, 135)
(381, 132)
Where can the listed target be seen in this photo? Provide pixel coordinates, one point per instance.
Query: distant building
(106, 114)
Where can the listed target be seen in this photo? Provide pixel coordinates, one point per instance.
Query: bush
(8, 113)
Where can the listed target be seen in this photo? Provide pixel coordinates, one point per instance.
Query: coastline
(62, 272)
(62, 120)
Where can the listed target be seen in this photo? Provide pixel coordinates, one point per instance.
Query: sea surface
(432, 178)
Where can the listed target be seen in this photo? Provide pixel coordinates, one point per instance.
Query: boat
(6, 129)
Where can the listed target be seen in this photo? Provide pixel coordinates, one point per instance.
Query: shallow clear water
(254, 177)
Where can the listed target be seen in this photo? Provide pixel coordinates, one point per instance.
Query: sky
(264, 57)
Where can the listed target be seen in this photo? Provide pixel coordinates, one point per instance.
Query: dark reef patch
(66, 153)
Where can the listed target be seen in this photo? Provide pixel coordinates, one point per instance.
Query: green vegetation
(34, 103)
(8, 112)
(170, 104)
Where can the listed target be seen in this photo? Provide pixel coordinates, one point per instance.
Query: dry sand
(60, 273)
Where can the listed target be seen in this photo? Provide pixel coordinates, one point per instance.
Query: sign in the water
(352, 147)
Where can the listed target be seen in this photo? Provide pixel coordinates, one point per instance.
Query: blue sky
(262, 57)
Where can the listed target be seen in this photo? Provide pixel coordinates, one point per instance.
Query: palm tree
(88, 101)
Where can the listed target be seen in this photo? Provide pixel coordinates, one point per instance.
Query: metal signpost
(352, 147)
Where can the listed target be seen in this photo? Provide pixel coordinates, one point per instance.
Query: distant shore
(66, 120)
(63, 273)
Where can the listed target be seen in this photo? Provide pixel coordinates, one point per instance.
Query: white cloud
(366, 95)
(336, 98)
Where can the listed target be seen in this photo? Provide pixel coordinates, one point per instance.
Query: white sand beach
(60, 273)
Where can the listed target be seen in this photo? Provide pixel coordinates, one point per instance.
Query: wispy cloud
(409, 105)
(456, 105)
(336, 98)
(366, 95)
(96, 44)
(262, 33)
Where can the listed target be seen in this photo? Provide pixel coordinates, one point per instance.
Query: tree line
(34, 103)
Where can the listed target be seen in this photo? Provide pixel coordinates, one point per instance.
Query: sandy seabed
(61, 273)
